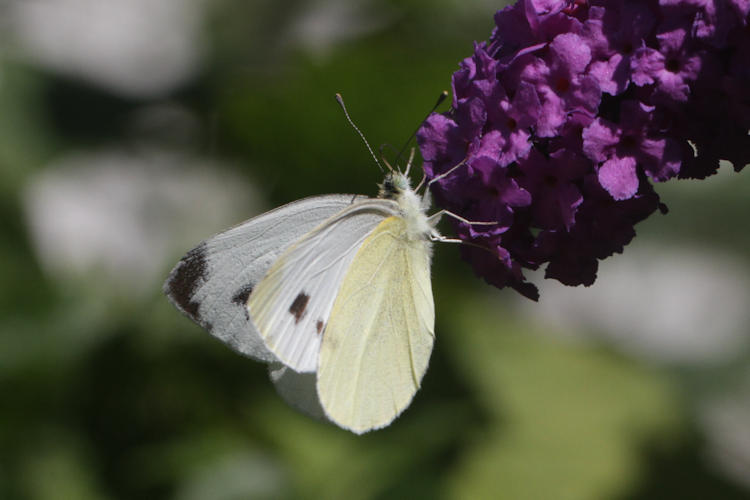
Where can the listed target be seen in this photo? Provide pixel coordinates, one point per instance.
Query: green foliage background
(107, 396)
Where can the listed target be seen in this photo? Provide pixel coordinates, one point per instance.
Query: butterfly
(334, 291)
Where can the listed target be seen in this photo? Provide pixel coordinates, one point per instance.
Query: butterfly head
(393, 185)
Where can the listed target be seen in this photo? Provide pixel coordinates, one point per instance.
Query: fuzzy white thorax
(413, 209)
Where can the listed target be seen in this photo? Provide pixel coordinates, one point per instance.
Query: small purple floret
(565, 117)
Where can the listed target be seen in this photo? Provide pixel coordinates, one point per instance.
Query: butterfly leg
(442, 239)
(441, 176)
(435, 218)
(421, 182)
(408, 163)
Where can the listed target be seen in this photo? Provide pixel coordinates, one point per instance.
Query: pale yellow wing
(379, 337)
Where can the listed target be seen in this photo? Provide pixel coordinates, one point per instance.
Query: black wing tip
(184, 279)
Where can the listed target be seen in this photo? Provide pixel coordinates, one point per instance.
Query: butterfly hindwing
(212, 283)
(292, 304)
(378, 341)
(297, 389)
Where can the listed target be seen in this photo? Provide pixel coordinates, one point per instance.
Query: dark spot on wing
(298, 306)
(319, 326)
(240, 298)
(186, 277)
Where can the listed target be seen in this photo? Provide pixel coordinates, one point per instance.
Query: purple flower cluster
(564, 117)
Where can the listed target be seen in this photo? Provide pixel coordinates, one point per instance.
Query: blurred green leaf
(571, 419)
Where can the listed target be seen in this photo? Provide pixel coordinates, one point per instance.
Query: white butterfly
(333, 290)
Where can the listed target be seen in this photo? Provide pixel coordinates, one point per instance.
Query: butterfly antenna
(340, 100)
(440, 99)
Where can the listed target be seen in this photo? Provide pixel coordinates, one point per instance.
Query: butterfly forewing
(212, 283)
(378, 341)
(292, 303)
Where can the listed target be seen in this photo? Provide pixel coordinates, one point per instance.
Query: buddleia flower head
(566, 117)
